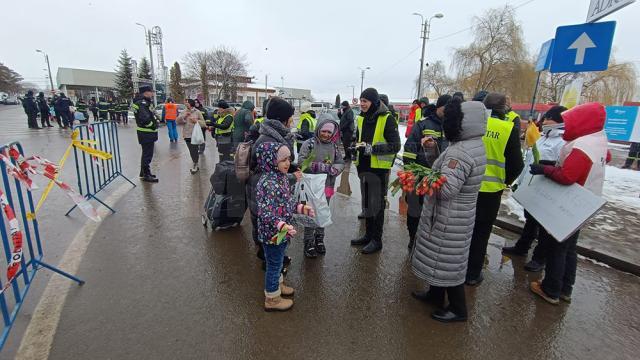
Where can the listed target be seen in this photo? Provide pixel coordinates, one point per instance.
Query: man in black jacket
(504, 165)
(147, 130)
(376, 152)
(424, 145)
(63, 107)
(347, 128)
(31, 109)
(45, 113)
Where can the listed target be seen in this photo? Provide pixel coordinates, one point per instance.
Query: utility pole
(46, 58)
(362, 78)
(153, 72)
(425, 29)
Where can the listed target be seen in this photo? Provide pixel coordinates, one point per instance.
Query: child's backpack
(242, 160)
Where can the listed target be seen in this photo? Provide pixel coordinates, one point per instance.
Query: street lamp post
(362, 78)
(153, 72)
(425, 29)
(353, 91)
(46, 58)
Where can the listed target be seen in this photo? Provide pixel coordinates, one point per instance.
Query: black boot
(447, 316)
(412, 241)
(149, 178)
(310, 247)
(360, 241)
(319, 238)
(372, 247)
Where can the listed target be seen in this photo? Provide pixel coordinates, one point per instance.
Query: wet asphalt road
(159, 286)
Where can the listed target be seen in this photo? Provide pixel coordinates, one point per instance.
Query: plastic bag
(197, 137)
(310, 190)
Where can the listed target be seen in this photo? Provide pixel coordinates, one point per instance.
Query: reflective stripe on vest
(307, 117)
(495, 142)
(170, 111)
(219, 121)
(377, 161)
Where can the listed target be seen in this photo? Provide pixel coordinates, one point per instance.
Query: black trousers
(529, 233)
(456, 296)
(44, 119)
(414, 210)
(374, 183)
(104, 115)
(67, 118)
(94, 112)
(487, 208)
(32, 120)
(634, 155)
(193, 151)
(112, 115)
(346, 143)
(225, 147)
(145, 159)
(561, 266)
(125, 116)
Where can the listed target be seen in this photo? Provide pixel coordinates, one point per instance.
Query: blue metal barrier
(95, 175)
(12, 298)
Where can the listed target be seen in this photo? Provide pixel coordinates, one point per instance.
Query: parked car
(7, 99)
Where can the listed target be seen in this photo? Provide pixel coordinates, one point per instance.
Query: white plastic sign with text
(560, 209)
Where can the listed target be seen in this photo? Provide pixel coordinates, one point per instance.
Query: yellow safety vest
(418, 115)
(495, 142)
(307, 117)
(224, 131)
(377, 161)
(259, 120)
(511, 116)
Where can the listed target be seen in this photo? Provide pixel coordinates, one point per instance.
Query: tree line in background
(221, 66)
(498, 60)
(10, 81)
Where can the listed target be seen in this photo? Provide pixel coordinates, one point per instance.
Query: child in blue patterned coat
(275, 213)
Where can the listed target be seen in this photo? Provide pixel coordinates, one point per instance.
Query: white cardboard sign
(560, 209)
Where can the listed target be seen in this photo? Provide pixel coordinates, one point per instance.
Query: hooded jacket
(324, 152)
(413, 150)
(274, 200)
(271, 131)
(550, 144)
(347, 123)
(584, 156)
(368, 129)
(242, 122)
(43, 106)
(440, 256)
(29, 104)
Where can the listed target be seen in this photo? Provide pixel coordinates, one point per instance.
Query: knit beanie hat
(423, 100)
(345, 103)
(385, 99)
(371, 94)
(223, 104)
(283, 153)
(555, 113)
(480, 95)
(280, 110)
(443, 100)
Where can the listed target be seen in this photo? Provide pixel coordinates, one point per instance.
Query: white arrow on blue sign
(584, 47)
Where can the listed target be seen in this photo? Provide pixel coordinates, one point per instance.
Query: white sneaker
(195, 169)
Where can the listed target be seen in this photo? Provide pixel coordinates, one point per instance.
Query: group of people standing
(474, 144)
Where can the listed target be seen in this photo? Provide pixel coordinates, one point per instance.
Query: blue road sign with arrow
(544, 57)
(584, 47)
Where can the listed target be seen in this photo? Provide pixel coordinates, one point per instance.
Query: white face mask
(546, 128)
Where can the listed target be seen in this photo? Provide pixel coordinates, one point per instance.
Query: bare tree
(495, 57)
(9, 80)
(228, 66)
(198, 65)
(436, 78)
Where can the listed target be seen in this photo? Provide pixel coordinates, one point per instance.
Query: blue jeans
(274, 255)
(173, 132)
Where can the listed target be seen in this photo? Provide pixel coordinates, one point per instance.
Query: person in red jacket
(412, 118)
(582, 161)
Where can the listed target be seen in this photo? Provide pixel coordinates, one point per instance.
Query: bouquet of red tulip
(415, 177)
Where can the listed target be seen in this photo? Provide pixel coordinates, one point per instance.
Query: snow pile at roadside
(622, 188)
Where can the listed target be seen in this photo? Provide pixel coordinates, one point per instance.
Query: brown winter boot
(277, 303)
(284, 289)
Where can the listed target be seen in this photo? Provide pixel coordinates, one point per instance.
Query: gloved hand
(318, 167)
(368, 149)
(536, 169)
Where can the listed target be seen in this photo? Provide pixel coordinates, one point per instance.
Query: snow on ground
(622, 188)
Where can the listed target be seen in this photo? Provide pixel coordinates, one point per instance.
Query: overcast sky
(318, 45)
